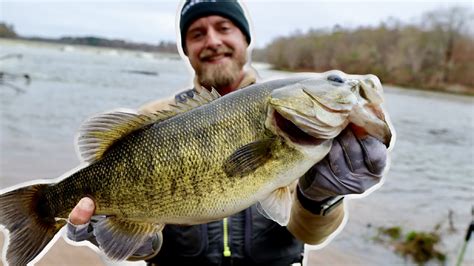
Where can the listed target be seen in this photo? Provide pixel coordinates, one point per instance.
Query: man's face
(216, 49)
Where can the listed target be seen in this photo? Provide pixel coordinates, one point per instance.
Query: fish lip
(380, 114)
(387, 139)
(323, 105)
(376, 123)
(362, 133)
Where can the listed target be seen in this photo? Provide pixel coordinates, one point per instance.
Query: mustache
(206, 53)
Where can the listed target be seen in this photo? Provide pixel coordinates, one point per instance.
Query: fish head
(320, 107)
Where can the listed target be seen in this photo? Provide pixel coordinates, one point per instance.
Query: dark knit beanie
(195, 9)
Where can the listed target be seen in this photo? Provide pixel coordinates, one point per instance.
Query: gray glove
(82, 232)
(352, 166)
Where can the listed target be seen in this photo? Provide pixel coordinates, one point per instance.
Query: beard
(221, 75)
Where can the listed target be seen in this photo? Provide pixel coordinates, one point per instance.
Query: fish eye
(335, 78)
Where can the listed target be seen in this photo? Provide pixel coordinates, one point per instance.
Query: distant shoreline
(456, 89)
(168, 47)
(449, 89)
(66, 47)
(82, 42)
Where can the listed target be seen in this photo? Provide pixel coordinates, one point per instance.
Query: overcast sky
(153, 21)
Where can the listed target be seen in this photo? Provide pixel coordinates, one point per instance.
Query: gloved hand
(81, 223)
(353, 165)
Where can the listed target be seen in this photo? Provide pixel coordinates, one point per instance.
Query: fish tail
(30, 222)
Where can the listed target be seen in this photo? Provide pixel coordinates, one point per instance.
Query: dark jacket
(252, 239)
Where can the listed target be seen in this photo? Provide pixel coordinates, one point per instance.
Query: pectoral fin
(277, 206)
(120, 238)
(248, 158)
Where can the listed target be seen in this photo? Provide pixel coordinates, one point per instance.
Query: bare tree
(449, 25)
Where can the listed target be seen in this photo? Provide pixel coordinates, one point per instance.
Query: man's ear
(185, 48)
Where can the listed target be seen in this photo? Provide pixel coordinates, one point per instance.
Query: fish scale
(174, 152)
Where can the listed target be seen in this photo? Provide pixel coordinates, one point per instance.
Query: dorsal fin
(198, 99)
(99, 132)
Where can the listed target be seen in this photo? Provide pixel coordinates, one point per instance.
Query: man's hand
(80, 228)
(353, 165)
(82, 213)
(79, 220)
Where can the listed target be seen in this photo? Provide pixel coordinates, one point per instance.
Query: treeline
(166, 47)
(436, 54)
(8, 31)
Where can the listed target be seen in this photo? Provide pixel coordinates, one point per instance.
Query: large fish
(205, 160)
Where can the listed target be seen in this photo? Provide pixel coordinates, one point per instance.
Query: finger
(375, 154)
(346, 155)
(83, 212)
(363, 153)
(316, 183)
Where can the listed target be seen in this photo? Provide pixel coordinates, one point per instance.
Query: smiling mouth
(216, 58)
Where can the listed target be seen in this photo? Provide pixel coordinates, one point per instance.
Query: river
(432, 169)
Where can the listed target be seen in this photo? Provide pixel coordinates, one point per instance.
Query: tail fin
(24, 213)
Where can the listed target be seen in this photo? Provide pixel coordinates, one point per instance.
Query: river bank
(457, 89)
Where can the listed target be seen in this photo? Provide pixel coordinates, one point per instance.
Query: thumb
(82, 213)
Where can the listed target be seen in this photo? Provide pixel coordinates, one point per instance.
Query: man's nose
(213, 39)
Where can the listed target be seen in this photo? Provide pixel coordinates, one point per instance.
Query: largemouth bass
(205, 160)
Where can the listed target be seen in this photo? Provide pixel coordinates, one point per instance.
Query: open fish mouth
(368, 114)
(319, 110)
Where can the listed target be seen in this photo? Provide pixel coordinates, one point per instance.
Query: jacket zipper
(226, 252)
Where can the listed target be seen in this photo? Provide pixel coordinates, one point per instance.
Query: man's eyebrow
(223, 20)
(219, 22)
(196, 28)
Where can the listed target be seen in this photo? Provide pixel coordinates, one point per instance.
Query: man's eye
(196, 35)
(225, 27)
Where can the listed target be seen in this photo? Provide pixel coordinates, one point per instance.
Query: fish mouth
(315, 111)
(293, 132)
